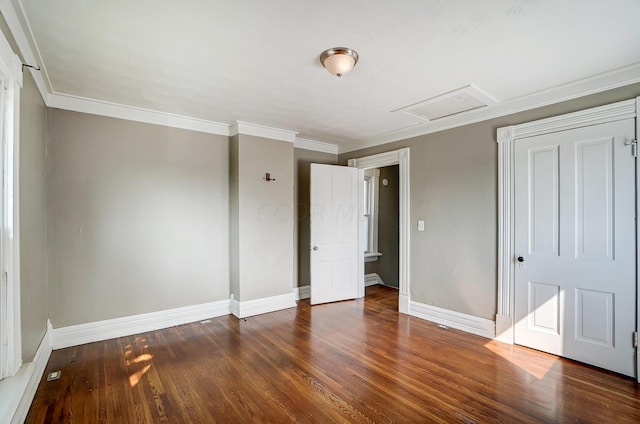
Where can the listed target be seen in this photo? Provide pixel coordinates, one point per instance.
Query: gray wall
(303, 159)
(388, 228)
(33, 230)
(138, 218)
(454, 189)
(264, 217)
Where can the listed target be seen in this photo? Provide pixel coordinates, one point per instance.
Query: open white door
(337, 260)
(575, 282)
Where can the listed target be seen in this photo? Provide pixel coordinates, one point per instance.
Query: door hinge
(635, 339)
(634, 147)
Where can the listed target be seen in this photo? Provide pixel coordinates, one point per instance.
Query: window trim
(10, 320)
(371, 252)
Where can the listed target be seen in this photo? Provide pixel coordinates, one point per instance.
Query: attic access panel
(451, 103)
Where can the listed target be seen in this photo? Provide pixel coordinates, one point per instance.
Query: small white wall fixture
(506, 138)
(398, 157)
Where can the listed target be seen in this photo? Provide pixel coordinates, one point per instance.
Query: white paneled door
(336, 254)
(575, 290)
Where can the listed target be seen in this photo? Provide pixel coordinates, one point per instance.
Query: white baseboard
(234, 306)
(504, 329)
(302, 292)
(249, 308)
(403, 303)
(17, 392)
(119, 327)
(469, 323)
(372, 279)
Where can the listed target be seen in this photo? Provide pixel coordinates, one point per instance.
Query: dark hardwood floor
(349, 362)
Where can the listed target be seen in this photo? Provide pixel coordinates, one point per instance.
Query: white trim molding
(302, 292)
(247, 128)
(19, 26)
(126, 326)
(372, 185)
(594, 116)
(17, 392)
(583, 87)
(464, 322)
(397, 157)
(10, 63)
(506, 138)
(132, 113)
(372, 257)
(372, 280)
(249, 308)
(317, 146)
(10, 316)
(149, 116)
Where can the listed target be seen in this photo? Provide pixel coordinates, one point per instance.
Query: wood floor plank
(347, 362)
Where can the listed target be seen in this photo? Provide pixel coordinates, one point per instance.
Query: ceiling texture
(258, 61)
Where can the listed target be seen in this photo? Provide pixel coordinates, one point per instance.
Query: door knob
(520, 259)
(315, 247)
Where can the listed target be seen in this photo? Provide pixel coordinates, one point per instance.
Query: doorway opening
(400, 158)
(381, 226)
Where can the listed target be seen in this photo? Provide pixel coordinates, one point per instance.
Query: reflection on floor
(353, 361)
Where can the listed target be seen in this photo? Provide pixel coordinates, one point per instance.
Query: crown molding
(317, 146)
(13, 12)
(257, 130)
(583, 87)
(131, 113)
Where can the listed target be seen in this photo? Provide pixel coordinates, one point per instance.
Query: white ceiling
(257, 61)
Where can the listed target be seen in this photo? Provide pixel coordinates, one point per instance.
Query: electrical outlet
(54, 375)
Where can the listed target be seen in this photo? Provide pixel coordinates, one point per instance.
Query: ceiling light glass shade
(339, 60)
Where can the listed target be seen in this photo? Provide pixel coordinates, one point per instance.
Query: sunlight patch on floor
(134, 378)
(537, 366)
(133, 360)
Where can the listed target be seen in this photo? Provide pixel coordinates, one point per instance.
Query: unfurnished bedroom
(317, 212)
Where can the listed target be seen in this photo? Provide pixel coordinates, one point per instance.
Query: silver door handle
(315, 247)
(634, 146)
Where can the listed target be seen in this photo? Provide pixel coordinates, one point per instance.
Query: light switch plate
(421, 225)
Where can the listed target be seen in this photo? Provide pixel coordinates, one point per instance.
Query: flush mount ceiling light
(339, 60)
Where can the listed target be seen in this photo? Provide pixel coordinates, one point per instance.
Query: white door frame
(398, 157)
(506, 138)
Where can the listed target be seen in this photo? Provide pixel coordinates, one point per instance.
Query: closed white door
(336, 256)
(575, 290)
